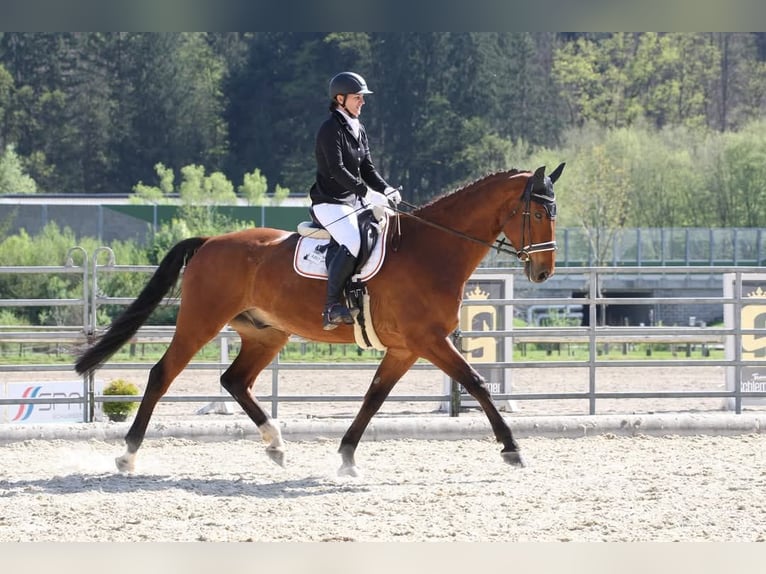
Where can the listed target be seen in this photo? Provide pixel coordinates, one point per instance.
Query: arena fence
(487, 335)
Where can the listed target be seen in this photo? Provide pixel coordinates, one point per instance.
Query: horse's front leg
(395, 363)
(444, 355)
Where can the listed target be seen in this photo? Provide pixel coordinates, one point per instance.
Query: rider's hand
(393, 195)
(376, 198)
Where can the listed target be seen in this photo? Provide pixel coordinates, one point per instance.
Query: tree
(277, 101)
(661, 174)
(254, 187)
(676, 77)
(199, 195)
(598, 191)
(161, 192)
(740, 178)
(742, 80)
(6, 91)
(12, 176)
(60, 110)
(172, 104)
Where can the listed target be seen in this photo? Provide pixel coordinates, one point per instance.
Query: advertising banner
(490, 349)
(752, 346)
(45, 412)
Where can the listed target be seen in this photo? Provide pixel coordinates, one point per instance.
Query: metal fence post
(593, 295)
(87, 381)
(738, 342)
(454, 398)
(275, 387)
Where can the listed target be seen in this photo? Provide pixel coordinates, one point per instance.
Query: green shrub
(119, 411)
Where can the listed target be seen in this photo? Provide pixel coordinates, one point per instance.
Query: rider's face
(354, 103)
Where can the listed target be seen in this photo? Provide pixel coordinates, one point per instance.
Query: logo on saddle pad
(309, 258)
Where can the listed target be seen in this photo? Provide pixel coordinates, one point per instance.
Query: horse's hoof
(277, 455)
(348, 470)
(513, 457)
(125, 463)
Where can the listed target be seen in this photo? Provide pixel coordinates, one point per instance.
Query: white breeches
(341, 222)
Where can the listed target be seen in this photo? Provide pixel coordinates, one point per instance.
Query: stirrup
(336, 314)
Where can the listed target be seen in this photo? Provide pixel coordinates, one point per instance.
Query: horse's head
(534, 237)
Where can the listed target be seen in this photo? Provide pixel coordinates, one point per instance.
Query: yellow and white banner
(490, 349)
(752, 345)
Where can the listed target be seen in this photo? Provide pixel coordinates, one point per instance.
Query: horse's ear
(556, 173)
(539, 174)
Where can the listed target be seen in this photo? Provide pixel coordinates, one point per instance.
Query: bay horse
(246, 279)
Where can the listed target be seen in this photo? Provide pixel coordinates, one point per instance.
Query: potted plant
(119, 411)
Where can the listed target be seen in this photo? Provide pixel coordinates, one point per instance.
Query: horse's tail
(126, 325)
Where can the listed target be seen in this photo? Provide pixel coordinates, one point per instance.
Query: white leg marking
(126, 462)
(271, 434)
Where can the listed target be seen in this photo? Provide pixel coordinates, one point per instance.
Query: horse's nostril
(542, 276)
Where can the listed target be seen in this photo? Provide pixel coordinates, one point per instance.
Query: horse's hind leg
(395, 363)
(258, 349)
(177, 356)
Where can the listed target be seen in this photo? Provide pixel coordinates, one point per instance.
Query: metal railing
(594, 334)
(661, 246)
(591, 336)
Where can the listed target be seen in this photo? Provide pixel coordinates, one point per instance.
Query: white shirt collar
(352, 122)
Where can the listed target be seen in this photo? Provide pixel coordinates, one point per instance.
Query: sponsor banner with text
(45, 412)
(752, 346)
(478, 350)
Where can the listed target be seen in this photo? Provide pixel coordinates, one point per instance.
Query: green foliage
(12, 176)
(199, 195)
(195, 188)
(156, 193)
(492, 153)
(6, 223)
(9, 319)
(6, 89)
(119, 410)
(253, 188)
(199, 189)
(616, 80)
(352, 44)
(51, 247)
(595, 189)
(640, 176)
(280, 194)
(741, 176)
(678, 115)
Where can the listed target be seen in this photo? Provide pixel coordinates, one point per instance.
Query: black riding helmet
(347, 83)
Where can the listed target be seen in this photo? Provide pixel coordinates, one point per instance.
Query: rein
(499, 245)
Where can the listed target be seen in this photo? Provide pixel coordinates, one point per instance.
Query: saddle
(315, 247)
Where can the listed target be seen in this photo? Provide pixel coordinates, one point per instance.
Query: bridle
(549, 204)
(501, 245)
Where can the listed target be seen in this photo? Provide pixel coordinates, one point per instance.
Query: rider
(345, 174)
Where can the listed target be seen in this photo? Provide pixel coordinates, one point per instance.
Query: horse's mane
(467, 188)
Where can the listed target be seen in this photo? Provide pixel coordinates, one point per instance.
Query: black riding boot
(340, 269)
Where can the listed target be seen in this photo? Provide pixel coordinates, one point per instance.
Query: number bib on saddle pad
(309, 258)
(309, 261)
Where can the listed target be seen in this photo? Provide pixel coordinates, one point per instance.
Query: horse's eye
(538, 215)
